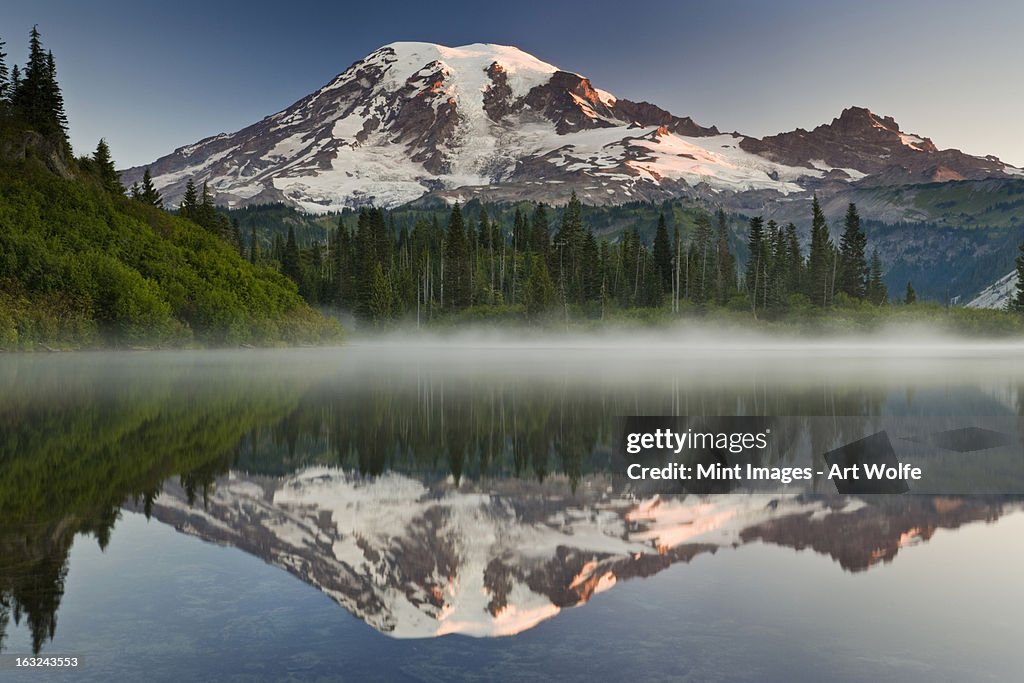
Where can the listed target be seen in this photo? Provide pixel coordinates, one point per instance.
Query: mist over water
(487, 457)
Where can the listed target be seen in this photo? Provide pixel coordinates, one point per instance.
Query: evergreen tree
(821, 263)
(757, 267)
(540, 290)
(592, 268)
(190, 202)
(14, 89)
(5, 75)
(519, 231)
(380, 295)
(1017, 302)
(31, 98)
(36, 94)
(149, 193)
(484, 233)
(853, 266)
(135, 192)
(290, 263)
(365, 256)
(878, 294)
(540, 238)
(566, 263)
(663, 254)
(456, 266)
(277, 249)
(725, 274)
(344, 267)
(105, 168)
(206, 213)
(779, 269)
(794, 260)
(651, 294)
(910, 296)
(701, 264)
(254, 246)
(54, 99)
(236, 236)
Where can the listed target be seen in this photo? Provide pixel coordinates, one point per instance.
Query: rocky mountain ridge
(418, 119)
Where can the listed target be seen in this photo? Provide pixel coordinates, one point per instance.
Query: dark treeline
(778, 275)
(535, 261)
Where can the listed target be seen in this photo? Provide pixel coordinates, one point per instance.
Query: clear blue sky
(153, 76)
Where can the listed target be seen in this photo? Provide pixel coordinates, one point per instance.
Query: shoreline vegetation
(86, 263)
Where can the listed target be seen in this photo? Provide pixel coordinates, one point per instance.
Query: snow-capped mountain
(491, 120)
(417, 560)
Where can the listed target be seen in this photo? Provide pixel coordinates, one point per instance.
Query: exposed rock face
(873, 145)
(495, 122)
(997, 295)
(32, 145)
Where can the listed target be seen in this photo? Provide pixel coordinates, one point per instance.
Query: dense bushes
(81, 267)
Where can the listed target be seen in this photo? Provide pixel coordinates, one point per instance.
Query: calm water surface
(450, 511)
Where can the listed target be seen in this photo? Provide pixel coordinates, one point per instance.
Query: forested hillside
(84, 265)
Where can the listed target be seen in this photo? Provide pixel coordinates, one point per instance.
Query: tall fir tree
(853, 265)
(206, 213)
(484, 230)
(14, 90)
(540, 290)
(519, 231)
(540, 237)
(725, 262)
(794, 260)
(36, 94)
(190, 200)
(105, 168)
(663, 254)
(365, 256)
(779, 273)
(821, 263)
(1017, 302)
(910, 296)
(381, 299)
(701, 263)
(254, 246)
(878, 293)
(592, 268)
(236, 236)
(756, 275)
(5, 75)
(566, 265)
(54, 98)
(456, 266)
(148, 192)
(344, 267)
(291, 266)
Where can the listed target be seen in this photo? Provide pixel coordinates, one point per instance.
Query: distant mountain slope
(874, 146)
(493, 121)
(998, 294)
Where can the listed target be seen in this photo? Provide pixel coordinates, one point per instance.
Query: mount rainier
(491, 121)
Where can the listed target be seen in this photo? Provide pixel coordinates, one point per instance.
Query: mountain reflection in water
(417, 561)
(443, 492)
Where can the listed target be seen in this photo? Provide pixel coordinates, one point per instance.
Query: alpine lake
(439, 509)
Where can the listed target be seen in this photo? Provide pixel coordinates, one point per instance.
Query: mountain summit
(493, 121)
